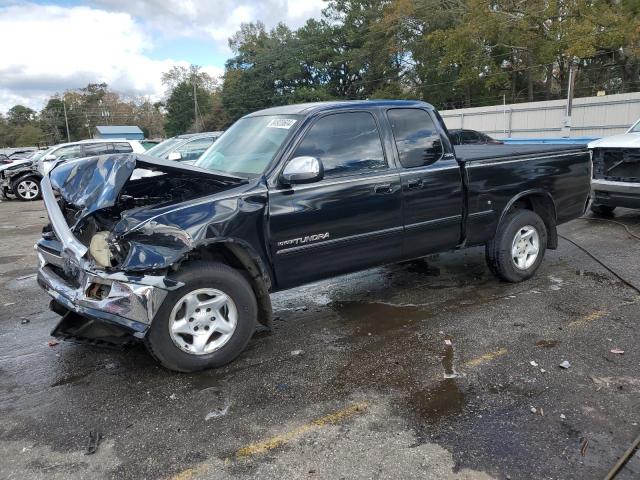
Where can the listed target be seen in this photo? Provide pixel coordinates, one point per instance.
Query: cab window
(416, 136)
(346, 143)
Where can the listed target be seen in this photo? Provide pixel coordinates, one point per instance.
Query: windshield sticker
(285, 123)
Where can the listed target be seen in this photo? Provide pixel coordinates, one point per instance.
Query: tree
(19, 115)
(28, 135)
(181, 110)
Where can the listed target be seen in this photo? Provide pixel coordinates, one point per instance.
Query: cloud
(48, 49)
(217, 20)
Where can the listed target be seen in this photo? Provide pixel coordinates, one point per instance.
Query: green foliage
(451, 53)
(181, 108)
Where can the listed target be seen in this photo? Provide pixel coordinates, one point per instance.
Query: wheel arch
(242, 257)
(542, 203)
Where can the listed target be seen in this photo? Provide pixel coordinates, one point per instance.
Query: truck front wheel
(516, 251)
(27, 189)
(207, 322)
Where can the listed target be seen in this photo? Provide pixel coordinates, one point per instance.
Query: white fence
(591, 117)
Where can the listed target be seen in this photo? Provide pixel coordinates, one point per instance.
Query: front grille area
(617, 164)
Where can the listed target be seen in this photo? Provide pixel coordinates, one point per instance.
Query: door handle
(383, 188)
(414, 184)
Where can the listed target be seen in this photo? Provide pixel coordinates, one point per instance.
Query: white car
(616, 172)
(85, 148)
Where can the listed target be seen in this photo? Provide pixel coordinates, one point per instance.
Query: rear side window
(346, 143)
(97, 149)
(122, 147)
(416, 137)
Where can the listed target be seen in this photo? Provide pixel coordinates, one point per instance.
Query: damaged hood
(94, 183)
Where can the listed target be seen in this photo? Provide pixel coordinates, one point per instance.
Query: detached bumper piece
(79, 329)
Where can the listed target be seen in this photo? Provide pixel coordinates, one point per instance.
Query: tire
(499, 252)
(602, 210)
(27, 189)
(206, 282)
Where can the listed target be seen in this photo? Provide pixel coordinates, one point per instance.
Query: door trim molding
(337, 241)
(437, 222)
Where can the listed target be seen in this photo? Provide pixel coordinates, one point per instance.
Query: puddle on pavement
(378, 318)
(423, 268)
(399, 362)
(546, 343)
(442, 400)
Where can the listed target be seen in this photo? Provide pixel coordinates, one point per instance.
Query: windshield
(40, 153)
(248, 146)
(163, 148)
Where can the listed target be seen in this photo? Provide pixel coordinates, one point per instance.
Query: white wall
(592, 117)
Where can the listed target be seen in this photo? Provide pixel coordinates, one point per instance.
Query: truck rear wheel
(207, 322)
(602, 210)
(516, 251)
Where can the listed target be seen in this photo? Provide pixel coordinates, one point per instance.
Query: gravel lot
(357, 379)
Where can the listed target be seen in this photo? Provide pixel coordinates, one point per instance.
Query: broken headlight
(100, 250)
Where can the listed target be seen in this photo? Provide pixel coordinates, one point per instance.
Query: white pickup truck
(616, 172)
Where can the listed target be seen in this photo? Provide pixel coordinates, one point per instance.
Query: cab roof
(315, 107)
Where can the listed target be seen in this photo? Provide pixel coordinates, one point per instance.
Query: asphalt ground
(431, 369)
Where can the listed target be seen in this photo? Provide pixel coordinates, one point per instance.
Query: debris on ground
(542, 370)
(563, 416)
(583, 446)
(52, 343)
(282, 387)
(9, 304)
(218, 412)
(617, 351)
(447, 342)
(533, 363)
(565, 364)
(172, 396)
(94, 441)
(24, 321)
(534, 410)
(296, 353)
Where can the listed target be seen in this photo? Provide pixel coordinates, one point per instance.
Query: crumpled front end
(85, 200)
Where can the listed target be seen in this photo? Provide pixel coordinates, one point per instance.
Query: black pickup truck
(185, 257)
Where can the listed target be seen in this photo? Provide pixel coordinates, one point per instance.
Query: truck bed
(483, 152)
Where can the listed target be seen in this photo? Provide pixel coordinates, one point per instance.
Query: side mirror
(49, 158)
(175, 156)
(302, 170)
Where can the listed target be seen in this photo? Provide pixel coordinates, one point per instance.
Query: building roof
(118, 129)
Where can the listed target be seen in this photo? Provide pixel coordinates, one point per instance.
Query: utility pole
(66, 121)
(566, 128)
(195, 102)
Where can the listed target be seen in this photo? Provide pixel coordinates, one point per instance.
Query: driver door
(349, 220)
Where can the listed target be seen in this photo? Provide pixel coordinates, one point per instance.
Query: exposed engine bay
(617, 164)
(103, 198)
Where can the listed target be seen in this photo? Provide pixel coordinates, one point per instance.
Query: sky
(47, 47)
